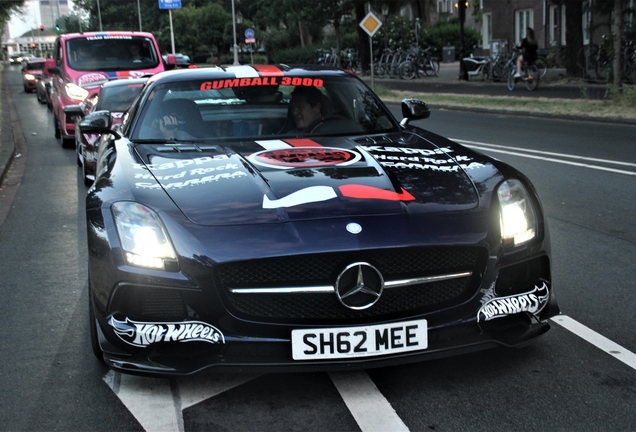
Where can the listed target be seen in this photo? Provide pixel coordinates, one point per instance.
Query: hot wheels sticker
(533, 302)
(142, 334)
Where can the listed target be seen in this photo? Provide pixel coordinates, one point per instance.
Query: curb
(7, 137)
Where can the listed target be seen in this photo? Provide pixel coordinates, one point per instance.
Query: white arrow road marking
(367, 405)
(157, 403)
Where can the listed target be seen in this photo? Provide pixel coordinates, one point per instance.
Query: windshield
(117, 52)
(118, 98)
(260, 107)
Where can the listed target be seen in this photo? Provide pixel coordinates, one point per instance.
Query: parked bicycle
(419, 62)
(350, 61)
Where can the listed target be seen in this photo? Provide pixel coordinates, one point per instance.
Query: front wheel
(512, 81)
(532, 80)
(407, 70)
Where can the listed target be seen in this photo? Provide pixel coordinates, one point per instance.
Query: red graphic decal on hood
(302, 142)
(305, 157)
(369, 192)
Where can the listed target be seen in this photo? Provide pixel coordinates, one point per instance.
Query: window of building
(486, 30)
(587, 22)
(563, 15)
(553, 20)
(523, 18)
(442, 6)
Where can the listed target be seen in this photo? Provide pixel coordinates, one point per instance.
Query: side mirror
(171, 62)
(99, 122)
(414, 109)
(49, 66)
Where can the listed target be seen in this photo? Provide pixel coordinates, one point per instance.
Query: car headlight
(143, 236)
(518, 219)
(29, 77)
(76, 92)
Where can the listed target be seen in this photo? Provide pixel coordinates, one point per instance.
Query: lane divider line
(565, 155)
(612, 348)
(366, 403)
(488, 148)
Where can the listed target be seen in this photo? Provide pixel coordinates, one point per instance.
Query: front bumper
(274, 356)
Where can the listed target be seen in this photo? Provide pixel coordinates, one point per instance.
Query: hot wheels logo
(142, 334)
(533, 302)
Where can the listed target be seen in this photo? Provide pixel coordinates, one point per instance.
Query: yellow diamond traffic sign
(370, 24)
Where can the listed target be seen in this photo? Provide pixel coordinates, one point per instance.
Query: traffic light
(57, 27)
(33, 45)
(41, 28)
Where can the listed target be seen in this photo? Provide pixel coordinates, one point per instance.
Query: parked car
(278, 218)
(31, 72)
(85, 61)
(114, 96)
(43, 83)
(183, 61)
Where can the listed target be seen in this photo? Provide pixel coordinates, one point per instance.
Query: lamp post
(236, 62)
(99, 14)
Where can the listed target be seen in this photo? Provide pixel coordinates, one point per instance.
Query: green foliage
(447, 33)
(396, 32)
(624, 97)
(297, 55)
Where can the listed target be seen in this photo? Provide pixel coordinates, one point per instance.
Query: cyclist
(528, 48)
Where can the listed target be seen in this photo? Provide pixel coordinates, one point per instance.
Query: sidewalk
(7, 143)
(553, 85)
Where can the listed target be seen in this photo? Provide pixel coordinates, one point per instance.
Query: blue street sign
(169, 4)
(249, 34)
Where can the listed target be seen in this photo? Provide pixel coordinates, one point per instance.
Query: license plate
(363, 341)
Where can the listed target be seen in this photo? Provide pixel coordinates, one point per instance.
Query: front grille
(323, 269)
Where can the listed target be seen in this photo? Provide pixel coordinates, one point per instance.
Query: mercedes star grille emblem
(359, 286)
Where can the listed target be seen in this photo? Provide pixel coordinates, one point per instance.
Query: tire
(407, 70)
(58, 134)
(486, 72)
(436, 66)
(512, 81)
(533, 76)
(542, 65)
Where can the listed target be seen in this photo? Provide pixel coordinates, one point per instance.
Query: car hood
(272, 181)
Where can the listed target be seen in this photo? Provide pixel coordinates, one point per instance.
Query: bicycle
(419, 62)
(529, 75)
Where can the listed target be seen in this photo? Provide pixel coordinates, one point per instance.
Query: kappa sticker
(142, 334)
(533, 302)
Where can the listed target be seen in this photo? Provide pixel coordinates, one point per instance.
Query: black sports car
(279, 218)
(114, 96)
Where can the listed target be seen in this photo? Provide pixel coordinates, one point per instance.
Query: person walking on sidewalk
(528, 48)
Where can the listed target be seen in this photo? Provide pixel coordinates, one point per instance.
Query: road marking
(598, 340)
(157, 403)
(518, 152)
(367, 405)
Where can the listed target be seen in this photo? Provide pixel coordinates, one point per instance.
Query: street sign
(249, 36)
(169, 4)
(370, 24)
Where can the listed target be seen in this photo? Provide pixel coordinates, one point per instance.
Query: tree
(7, 9)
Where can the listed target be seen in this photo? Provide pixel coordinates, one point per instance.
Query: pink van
(85, 61)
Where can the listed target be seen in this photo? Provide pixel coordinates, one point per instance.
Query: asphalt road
(572, 379)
